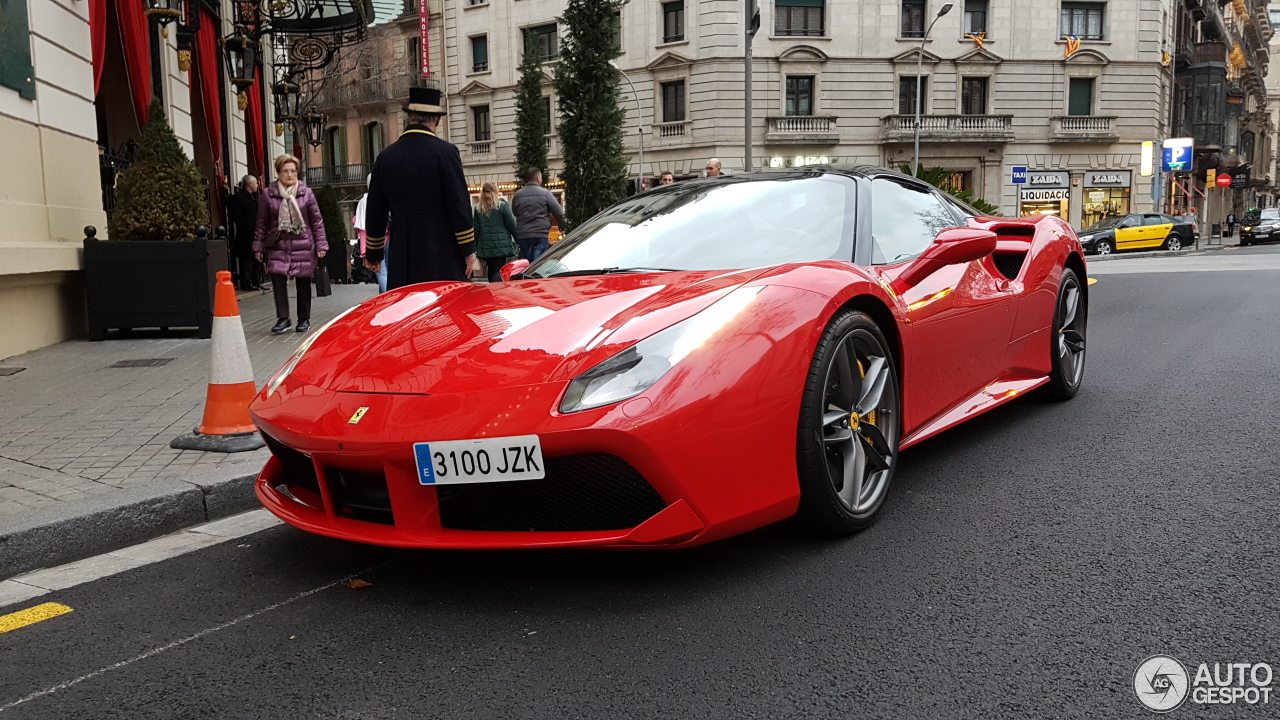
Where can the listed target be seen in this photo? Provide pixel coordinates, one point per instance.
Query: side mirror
(515, 268)
(953, 246)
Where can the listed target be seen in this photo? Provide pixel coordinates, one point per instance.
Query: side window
(1130, 222)
(1153, 220)
(904, 220)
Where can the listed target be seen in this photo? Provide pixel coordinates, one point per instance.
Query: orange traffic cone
(226, 426)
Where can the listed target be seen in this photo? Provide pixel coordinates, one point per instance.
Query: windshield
(1106, 223)
(1269, 214)
(752, 222)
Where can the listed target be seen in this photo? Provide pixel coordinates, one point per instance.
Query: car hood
(455, 337)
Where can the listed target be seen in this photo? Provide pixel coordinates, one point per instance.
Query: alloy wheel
(1071, 329)
(859, 429)
(1174, 242)
(1104, 248)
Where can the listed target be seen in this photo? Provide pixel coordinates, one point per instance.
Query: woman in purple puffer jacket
(291, 233)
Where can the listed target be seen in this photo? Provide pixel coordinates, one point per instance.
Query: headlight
(637, 368)
(1085, 238)
(278, 379)
(1248, 228)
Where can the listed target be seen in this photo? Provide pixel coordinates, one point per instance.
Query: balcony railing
(480, 147)
(337, 174)
(802, 129)
(1209, 52)
(998, 128)
(679, 128)
(1085, 128)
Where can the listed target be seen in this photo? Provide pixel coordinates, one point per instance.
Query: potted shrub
(158, 266)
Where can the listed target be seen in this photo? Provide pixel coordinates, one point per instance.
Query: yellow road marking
(32, 615)
(1093, 280)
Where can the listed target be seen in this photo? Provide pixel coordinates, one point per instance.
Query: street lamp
(285, 96)
(915, 166)
(639, 125)
(164, 11)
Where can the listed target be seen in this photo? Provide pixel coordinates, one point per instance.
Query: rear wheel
(847, 442)
(1068, 343)
(1173, 242)
(1103, 247)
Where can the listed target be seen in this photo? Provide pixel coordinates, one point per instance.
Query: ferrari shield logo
(355, 417)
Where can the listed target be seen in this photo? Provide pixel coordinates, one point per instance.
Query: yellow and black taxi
(1137, 231)
(1261, 227)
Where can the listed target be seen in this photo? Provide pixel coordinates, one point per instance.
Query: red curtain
(98, 39)
(135, 30)
(253, 125)
(207, 68)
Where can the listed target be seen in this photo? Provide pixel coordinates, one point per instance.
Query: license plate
(454, 462)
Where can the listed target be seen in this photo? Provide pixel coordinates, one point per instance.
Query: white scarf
(290, 214)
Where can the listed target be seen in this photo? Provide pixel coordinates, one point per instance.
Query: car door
(1129, 233)
(1155, 230)
(959, 318)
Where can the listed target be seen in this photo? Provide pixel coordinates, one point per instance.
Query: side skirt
(993, 395)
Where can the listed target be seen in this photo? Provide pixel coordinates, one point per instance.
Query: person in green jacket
(495, 231)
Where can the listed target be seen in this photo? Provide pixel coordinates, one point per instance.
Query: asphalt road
(1024, 566)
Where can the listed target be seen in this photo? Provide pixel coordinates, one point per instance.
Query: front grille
(1009, 263)
(360, 495)
(588, 492)
(298, 468)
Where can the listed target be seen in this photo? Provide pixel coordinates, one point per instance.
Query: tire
(1173, 242)
(1103, 247)
(847, 429)
(1067, 345)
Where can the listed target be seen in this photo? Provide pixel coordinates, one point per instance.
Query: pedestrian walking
(242, 216)
(359, 223)
(534, 206)
(714, 168)
(666, 178)
(419, 192)
(495, 227)
(290, 235)
(1231, 224)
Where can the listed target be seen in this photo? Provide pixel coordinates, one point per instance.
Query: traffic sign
(1019, 176)
(1223, 180)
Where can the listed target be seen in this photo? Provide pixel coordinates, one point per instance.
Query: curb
(1156, 253)
(69, 534)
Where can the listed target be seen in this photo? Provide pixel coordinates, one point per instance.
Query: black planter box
(151, 284)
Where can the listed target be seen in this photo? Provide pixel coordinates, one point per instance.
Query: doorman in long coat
(419, 193)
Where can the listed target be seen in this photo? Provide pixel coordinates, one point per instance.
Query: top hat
(425, 100)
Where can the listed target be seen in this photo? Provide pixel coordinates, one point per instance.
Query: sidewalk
(85, 463)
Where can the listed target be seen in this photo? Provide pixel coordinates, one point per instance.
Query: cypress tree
(531, 121)
(595, 169)
(161, 196)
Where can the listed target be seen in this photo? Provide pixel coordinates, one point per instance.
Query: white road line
(179, 643)
(38, 582)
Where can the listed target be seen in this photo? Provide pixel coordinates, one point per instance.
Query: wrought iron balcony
(1209, 52)
(1085, 128)
(346, 92)
(802, 130)
(338, 174)
(985, 128)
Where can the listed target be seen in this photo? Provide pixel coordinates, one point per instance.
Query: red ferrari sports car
(697, 361)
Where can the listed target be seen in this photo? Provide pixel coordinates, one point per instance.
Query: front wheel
(1068, 342)
(1103, 247)
(1173, 242)
(850, 420)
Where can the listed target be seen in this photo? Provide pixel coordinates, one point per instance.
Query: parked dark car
(1261, 227)
(1138, 231)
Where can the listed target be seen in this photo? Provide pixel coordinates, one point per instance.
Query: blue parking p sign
(1019, 175)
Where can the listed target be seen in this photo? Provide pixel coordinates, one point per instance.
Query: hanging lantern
(285, 96)
(242, 62)
(188, 26)
(313, 123)
(164, 11)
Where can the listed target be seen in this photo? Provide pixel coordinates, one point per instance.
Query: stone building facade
(834, 80)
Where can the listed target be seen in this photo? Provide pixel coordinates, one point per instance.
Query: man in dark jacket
(419, 192)
(242, 215)
(534, 206)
